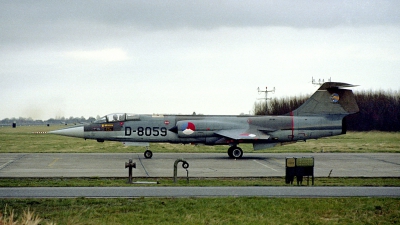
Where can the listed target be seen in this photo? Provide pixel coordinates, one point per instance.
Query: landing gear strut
(148, 154)
(235, 152)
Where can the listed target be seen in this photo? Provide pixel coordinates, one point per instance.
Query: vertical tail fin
(329, 99)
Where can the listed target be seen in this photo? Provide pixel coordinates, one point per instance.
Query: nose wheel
(148, 154)
(235, 152)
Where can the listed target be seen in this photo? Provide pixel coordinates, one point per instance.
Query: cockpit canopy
(117, 117)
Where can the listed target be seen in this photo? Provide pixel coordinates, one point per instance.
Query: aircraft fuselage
(171, 129)
(321, 115)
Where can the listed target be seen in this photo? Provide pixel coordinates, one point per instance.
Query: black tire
(148, 154)
(237, 153)
(230, 150)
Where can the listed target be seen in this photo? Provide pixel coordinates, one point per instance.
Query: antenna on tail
(320, 81)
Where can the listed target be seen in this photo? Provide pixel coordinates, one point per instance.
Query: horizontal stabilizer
(329, 85)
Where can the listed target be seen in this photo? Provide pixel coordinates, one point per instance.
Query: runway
(200, 165)
(176, 192)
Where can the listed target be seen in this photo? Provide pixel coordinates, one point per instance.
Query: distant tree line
(279, 106)
(379, 110)
(20, 121)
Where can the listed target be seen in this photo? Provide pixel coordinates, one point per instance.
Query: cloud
(182, 56)
(106, 55)
(84, 22)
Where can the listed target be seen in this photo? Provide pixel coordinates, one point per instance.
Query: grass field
(23, 140)
(231, 210)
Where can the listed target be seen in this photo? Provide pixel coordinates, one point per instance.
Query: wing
(243, 134)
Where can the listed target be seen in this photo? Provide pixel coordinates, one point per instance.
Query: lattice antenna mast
(266, 97)
(320, 81)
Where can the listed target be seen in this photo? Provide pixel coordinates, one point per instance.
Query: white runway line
(6, 164)
(53, 162)
(265, 166)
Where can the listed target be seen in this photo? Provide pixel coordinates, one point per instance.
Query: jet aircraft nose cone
(70, 132)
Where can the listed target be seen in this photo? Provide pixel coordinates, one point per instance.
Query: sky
(89, 58)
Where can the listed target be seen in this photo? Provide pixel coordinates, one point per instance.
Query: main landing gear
(235, 152)
(148, 154)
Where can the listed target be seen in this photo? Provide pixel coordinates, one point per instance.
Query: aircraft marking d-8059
(321, 115)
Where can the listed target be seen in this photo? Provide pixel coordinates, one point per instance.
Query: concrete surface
(129, 192)
(200, 165)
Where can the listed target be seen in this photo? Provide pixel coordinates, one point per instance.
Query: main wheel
(148, 154)
(237, 153)
(230, 150)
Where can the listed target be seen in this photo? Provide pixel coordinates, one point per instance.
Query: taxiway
(177, 192)
(200, 165)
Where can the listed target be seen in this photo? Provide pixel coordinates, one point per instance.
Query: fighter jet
(322, 115)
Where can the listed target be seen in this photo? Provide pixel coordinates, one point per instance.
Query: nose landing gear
(148, 154)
